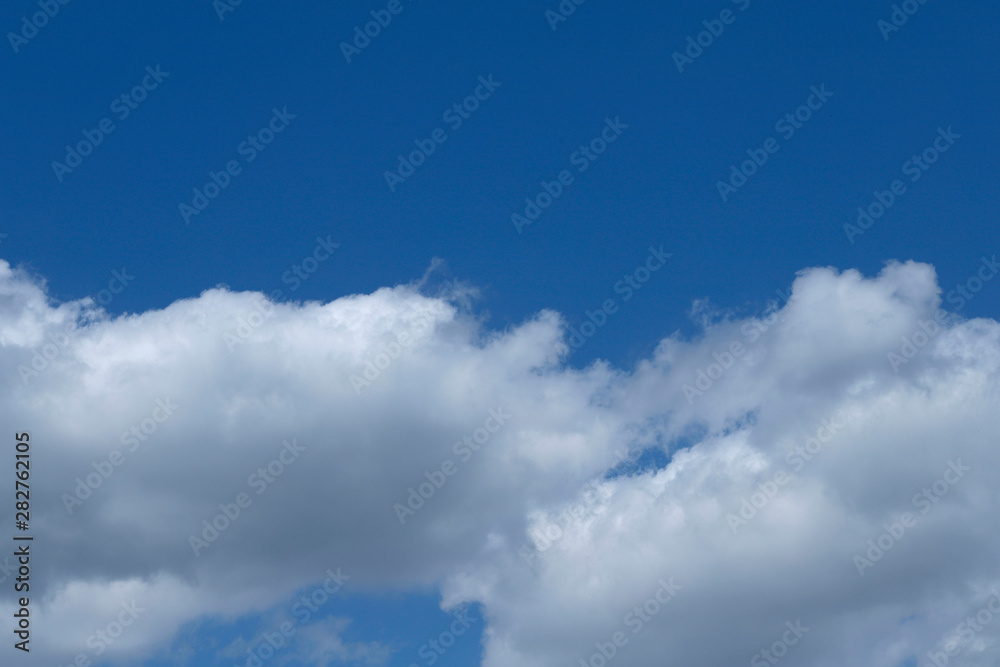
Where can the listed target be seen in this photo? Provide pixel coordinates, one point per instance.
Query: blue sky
(554, 87)
(324, 176)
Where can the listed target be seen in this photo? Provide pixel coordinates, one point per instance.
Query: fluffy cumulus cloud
(829, 494)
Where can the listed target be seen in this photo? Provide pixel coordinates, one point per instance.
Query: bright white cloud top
(825, 500)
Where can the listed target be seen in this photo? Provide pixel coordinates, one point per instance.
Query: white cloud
(823, 356)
